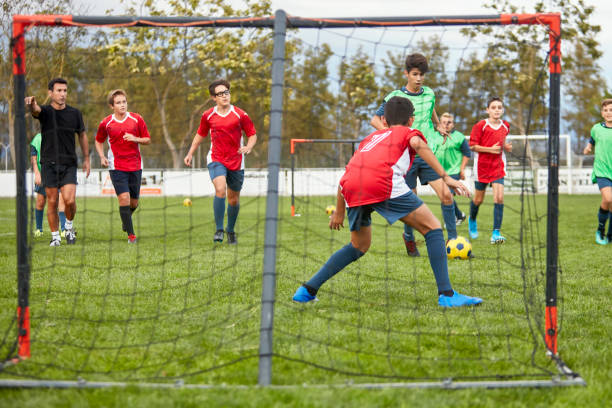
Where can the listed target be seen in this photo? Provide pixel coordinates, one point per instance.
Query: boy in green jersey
(39, 189)
(425, 117)
(453, 153)
(601, 140)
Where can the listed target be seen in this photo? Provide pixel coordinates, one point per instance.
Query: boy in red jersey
(374, 181)
(488, 141)
(225, 160)
(125, 131)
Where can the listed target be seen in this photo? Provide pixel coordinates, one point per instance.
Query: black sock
(310, 289)
(473, 210)
(602, 217)
(448, 293)
(132, 209)
(126, 218)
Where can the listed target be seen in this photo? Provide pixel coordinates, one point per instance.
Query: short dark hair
(56, 81)
(214, 84)
(398, 111)
(605, 103)
(112, 94)
(494, 99)
(417, 60)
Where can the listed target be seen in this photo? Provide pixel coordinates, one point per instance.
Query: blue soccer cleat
(497, 238)
(473, 227)
(600, 238)
(303, 296)
(458, 300)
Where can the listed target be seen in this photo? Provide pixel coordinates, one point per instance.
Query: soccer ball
(329, 210)
(187, 202)
(458, 248)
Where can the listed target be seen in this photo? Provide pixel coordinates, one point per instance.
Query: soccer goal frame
(279, 23)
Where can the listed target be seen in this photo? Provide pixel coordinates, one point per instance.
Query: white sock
(55, 235)
(68, 225)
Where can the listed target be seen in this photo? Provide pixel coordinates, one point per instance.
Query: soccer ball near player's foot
(458, 248)
(329, 210)
(187, 202)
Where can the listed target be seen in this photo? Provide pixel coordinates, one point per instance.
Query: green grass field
(176, 306)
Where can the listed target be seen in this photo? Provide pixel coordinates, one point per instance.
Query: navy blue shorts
(391, 210)
(483, 186)
(57, 175)
(40, 189)
(233, 178)
(422, 170)
(603, 182)
(126, 181)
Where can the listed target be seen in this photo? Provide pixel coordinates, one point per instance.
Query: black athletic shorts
(125, 181)
(57, 175)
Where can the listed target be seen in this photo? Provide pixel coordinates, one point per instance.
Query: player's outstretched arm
(194, 145)
(426, 154)
(30, 102)
(336, 220)
(588, 149)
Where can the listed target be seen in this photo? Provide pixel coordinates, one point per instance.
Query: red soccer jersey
(489, 167)
(376, 171)
(123, 155)
(226, 135)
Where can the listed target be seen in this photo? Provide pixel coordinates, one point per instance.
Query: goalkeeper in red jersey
(374, 181)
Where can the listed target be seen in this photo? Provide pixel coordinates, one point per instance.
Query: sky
(369, 8)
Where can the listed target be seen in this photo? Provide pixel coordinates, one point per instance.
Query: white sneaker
(55, 242)
(70, 236)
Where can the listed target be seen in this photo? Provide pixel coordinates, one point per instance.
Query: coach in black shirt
(58, 160)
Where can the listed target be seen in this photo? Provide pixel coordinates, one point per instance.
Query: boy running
(225, 123)
(125, 132)
(601, 140)
(374, 181)
(488, 141)
(423, 99)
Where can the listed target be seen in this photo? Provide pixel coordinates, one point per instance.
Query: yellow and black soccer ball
(330, 209)
(458, 248)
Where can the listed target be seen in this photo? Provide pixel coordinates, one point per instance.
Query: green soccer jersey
(424, 102)
(602, 166)
(35, 143)
(450, 153)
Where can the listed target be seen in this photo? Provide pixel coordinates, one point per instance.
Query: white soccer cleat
(55, 243)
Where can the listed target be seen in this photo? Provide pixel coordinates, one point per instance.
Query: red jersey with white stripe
(226, 135)
(122, 154)
(376, 171)
(489, 167)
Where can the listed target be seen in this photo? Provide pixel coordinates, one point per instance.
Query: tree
(45, 56)
(177, 64)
